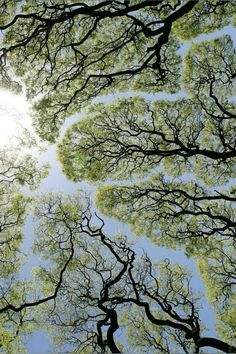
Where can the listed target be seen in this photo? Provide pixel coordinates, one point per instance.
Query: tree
(16, 170)
(184, 153)
(66, 53)
(133, 136)
(107, 287)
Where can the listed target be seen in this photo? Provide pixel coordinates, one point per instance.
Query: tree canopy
(164, 166)
(67, 53)
(105, 280)
(16, 170)
(180, 156)
(194, 134)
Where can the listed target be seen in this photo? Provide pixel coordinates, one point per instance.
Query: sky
(56, 181)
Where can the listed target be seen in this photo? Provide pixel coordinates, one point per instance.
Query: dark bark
(216, 343)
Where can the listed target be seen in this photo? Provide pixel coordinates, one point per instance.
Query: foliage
(66, 53)
(107, 287)
(184, 153)
(207, 17)
(178, 155)
(16, 170)
(193, 135)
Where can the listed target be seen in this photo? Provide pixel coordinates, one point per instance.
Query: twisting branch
(109, 279)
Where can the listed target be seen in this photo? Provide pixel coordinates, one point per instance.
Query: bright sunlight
(14, 116)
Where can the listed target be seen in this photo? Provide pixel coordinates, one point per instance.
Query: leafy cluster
(170, 164)
(183, 151)
(16, 170)
(82, 50)
(106, 285)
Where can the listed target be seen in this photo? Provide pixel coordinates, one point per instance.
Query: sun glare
(14, 116)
